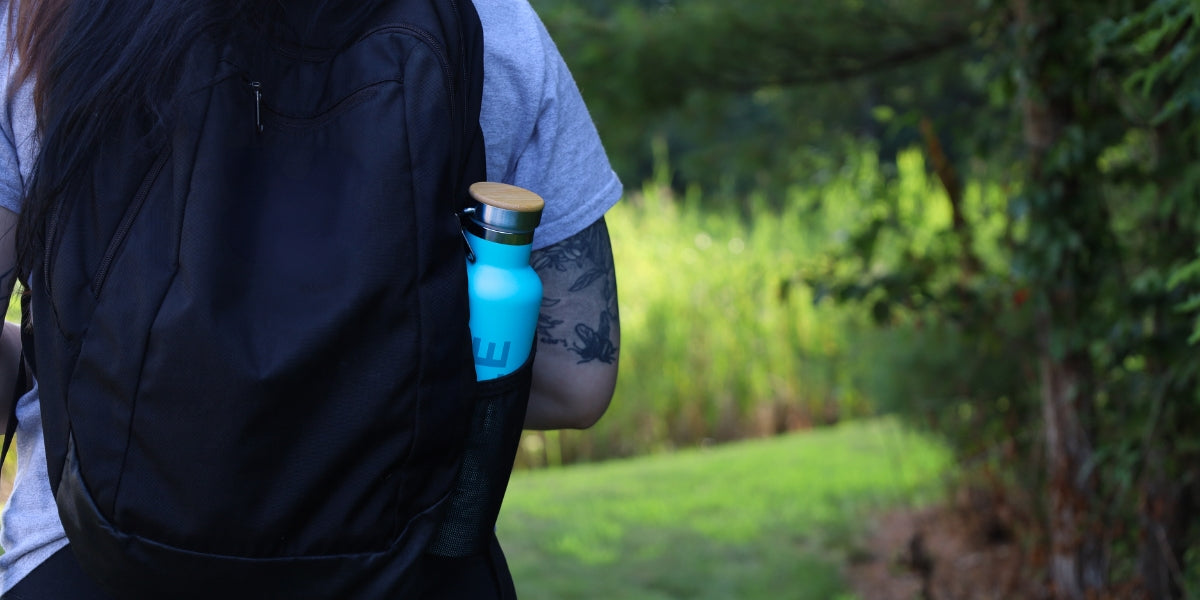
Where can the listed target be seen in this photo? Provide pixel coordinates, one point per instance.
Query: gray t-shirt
(538, 134)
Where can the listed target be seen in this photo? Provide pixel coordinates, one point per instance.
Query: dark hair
(96, 64)
(102, 65)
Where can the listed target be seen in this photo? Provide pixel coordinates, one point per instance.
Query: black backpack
(251, 339)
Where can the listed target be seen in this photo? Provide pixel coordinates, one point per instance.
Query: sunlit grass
(722, 338)
(761, 519)
(719, 340)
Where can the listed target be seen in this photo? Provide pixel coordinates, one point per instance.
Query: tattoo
(547, 322)
(597, 344)
(579, 270)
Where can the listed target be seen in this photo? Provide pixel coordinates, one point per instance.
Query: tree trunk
(1077, 559)
(1156, 557)
(1162, 511)
(1077, 555)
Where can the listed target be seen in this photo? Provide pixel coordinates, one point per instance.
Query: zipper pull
(257, 87)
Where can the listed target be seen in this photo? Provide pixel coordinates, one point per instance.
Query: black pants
(479, 577)
(59, 578)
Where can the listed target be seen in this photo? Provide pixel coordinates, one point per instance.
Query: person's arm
(10, 340)
(579, 333)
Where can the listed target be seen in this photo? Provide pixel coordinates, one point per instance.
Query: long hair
(98, 64)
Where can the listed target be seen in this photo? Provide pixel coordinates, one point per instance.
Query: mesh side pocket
(487, 465)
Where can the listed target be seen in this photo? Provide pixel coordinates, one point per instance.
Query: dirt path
(940, 553)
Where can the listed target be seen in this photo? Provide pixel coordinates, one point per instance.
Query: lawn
(772, 518)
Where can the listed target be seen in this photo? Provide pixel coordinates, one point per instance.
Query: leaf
(820, 292)
(587, 279)
(1189, 305)
(1148, 42)
(1186, 273)
(881, 312)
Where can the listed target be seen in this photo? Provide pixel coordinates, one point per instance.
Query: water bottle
(505, 292)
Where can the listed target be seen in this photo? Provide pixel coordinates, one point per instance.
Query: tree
(1105, 96)
(734, 86)
(1108, 104)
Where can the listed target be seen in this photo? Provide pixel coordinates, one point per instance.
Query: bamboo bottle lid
(499, 212)
(507, 197)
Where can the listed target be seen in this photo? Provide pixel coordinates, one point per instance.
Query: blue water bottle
(505, 292)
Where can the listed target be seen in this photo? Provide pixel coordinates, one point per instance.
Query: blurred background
(909, 300)
(909, 295)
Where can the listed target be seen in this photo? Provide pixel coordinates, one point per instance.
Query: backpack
(251, 338)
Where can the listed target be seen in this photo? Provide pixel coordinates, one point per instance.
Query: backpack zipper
(442, 55)
(462, 57)
(428, 39)
(256, 87)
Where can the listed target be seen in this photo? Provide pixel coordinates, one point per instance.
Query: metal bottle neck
(492, 234)
(501, 225)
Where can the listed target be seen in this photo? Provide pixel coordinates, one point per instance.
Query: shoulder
(536, 127)
(509, 23)
(519, 56)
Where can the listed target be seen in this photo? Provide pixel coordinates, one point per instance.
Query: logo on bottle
(490, 360)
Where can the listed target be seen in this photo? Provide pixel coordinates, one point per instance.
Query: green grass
(721, 336)
(771, 518)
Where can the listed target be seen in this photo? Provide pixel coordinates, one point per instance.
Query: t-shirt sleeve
(538, 132)
(17, 126)
(10, 178)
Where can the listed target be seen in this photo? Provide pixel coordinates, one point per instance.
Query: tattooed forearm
(579, 307)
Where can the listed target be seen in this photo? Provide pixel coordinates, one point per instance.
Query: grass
(723, 338)
(772, 518)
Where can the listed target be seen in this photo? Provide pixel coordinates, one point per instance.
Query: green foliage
(953, 351)
(1099, 248)
(1165, 40)
(721, 338)
(747, 46)
(763, 519)
(1114, 223)
(1084, 112)
(1164, 93)
(755, 97)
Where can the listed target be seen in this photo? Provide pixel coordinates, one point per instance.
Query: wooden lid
(507, 197)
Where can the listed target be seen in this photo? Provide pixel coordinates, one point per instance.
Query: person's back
(251, 273)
